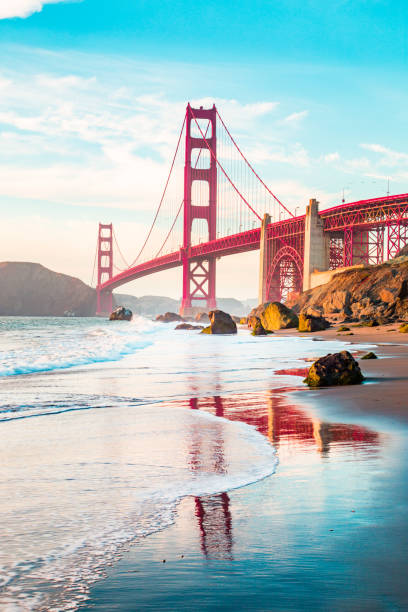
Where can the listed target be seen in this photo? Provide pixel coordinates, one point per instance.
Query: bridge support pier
(263, 260)
(104, 302)
(316, 244)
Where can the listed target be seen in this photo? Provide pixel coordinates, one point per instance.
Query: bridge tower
(199, 274)
(105, 268)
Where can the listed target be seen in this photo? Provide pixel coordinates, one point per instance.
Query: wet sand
(326, 532)
(388, 393)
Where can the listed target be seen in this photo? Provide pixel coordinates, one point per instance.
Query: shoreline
(385, 377)
(185, 568)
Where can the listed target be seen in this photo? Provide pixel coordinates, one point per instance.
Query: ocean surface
(106, 427)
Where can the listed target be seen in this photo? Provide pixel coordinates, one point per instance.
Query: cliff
(373, 292)
(30, 289)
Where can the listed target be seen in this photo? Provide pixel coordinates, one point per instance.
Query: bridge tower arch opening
(199, 274)
(285, 275)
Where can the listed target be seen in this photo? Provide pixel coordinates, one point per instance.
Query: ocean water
(101, 439)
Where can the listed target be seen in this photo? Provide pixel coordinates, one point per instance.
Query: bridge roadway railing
(367, 213)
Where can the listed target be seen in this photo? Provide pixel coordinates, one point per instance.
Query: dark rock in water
(369, 355)
(220, 323)
(275, 315)
(121, 314)
(188, 326)
(169, 317)
(255, 324)
(311, 323)
(334, 369)
(202, 317)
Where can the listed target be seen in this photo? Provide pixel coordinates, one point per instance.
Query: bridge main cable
(251, 167)
(163, 195)
(221, 167)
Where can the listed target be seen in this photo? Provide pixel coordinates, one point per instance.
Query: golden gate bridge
(215, 204)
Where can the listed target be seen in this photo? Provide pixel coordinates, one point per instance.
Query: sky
(92, 95)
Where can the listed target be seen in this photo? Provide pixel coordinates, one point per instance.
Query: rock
(220, 323)
(404, 328)
(386, 296)
(334, 369)
(337, 302)
(243, 321)
(236, 319)
(169, 317)
(369, 355)
(365, 293)
(255, 324)
(314, 312)
(343, 328)
(121, 314)
(403, 252)
(202, 317)
(312, 323)
(188, 326)
(275, 315)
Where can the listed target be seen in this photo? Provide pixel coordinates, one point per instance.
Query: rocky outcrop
(371, 293)
(334, 369)
(274, 315)
(255, 324)
(220, 323)
(311, 323)
(30, 289)
(404, 328)
(121, 314)
(169, 317)
(188, 326)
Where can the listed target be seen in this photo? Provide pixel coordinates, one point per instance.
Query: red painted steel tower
(105, 268)
(199, 274)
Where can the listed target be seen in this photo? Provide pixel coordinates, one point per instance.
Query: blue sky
(92, 94)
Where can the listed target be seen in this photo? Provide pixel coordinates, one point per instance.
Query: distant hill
(30, 289)
(33, 290)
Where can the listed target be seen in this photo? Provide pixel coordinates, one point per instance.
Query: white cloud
(23, 8)
(331, 157)
(296, 117)
(389, 157)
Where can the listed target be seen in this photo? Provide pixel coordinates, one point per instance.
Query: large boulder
(310, 323)
(169, 317)
(121, 314)
(334, 369)
(274, 315)
(220, 323)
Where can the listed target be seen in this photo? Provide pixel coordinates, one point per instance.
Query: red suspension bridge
(215, 204)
